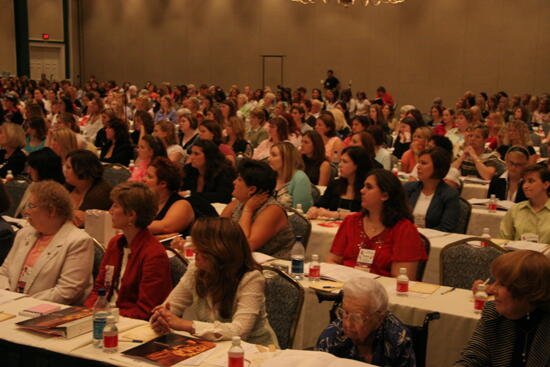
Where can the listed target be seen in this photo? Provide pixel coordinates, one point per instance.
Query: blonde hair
(66, 139)
(292, 160)
(339, 119)
(523, 132)
(237, 125)
(53, 196)
(15, 135)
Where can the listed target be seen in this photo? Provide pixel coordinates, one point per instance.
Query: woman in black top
(235, 136)
(12, 140)
(209, 174)
(316, 166)
(403, 142)
(118, 148)
(343, 194)
(509, 186)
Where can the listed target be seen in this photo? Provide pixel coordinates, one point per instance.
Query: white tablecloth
(482, 218)
(474, 191)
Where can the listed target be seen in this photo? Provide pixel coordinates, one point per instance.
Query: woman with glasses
(51, 259)
(365, 330)
(509, 186)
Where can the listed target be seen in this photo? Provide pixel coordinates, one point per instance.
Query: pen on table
(162, 344)
(448, 290)
(486, 281)
(130, 340)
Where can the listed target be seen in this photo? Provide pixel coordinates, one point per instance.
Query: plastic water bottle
(480, 298)
(132, 165)
(9, 176)
(402, 282)
(235, 355)
(101, 312)
(314, 269)
(486, 234)
(297, 255)
(110, 335)
(188, 250)
(492, 205)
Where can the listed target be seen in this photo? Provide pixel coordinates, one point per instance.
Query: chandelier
(347, 3)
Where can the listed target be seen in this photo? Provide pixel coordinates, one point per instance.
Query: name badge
(366, 256)
(531, 237)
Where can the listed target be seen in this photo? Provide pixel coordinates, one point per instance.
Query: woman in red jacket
(135, 269)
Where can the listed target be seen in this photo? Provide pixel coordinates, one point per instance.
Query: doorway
(48, 60)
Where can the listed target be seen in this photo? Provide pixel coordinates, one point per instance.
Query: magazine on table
(169, 349)
(68, 323)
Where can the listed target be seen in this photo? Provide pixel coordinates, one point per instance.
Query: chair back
(315, 194)
(465, 209)
(178, 265)
(393, 160)
(99, 251)
(460, 187)
(16, 189)
(461, 263)
(419, 336)
(115, 173)
(284, 298)
(422, 264)
(300, 226)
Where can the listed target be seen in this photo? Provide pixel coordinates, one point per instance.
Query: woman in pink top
(149, 148)
(419, 142)
(326, 127)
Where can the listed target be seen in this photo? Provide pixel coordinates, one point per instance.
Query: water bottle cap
(236, 340)
(481, 288)
(402, 270)
(315, 257)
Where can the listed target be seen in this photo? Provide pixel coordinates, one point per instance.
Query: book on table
(68, 323)
(169, 349)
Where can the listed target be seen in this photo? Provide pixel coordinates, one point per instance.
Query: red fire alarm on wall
(45, 36)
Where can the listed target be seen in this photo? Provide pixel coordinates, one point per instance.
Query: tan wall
(7, 38)
(418, 50)
(45, 16)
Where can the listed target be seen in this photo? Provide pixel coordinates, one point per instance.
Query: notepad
(39, 310)
(424, 288)
(5, 316)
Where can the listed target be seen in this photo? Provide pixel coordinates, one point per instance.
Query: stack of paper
(343, 273)
(526, 245)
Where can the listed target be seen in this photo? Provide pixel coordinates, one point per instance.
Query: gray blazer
(493, 341)
(62, 273)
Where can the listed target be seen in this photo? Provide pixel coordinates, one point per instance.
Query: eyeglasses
(353, 317)
(31, 206)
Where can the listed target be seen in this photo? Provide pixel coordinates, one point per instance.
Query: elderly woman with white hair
(365, 330)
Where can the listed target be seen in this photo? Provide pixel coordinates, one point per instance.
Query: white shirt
(421, 208)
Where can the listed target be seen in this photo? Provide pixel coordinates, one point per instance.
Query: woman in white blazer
(51, 259)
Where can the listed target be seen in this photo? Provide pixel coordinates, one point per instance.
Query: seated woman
(476, 160)
(293, 185)
(188, 127)
(495, 124)
(513, 330)
(36, 134)
(326, 127)
(343, 195)
(365, 140)
(51, 259)
(166, 110)
(228, 305)
(365, 330)
(143, 125)
(385, 226)
(402, 143)
(42, 165)
(298, 116)
(509, 186)
(435, 204)
(530, 219)
(447, 122)
(174, 214)
(208, 173)
(84, 177)
(517, 133)
(211, 130)
(62, 142)
(382, 155)
(262, 218)
(234, 129)
(358, 125)
(419, 142)
(118, 148)
(12, 157)
(149, 148)
(458, 134)
(278, 131)
(166, 131)
(136, 283)
(316, 166)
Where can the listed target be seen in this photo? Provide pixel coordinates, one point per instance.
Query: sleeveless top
(281, 243)
(171, 200)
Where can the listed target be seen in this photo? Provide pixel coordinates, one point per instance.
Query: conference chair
(114, 173)
(16, 189)
(178, 265)
(464, 216)
(99, 252)
(419, 336)
(300, 226)
(284, 298)
(463, 261)
(422, 264)
(315, 194)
